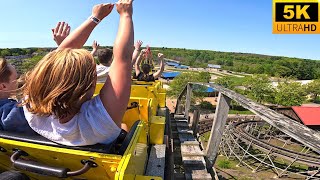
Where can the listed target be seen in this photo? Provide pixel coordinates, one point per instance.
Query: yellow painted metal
(157, 129)
(154, 91)
(134, 160)
(60, 157)
(140, 92)
(149, 96)
(98, 88)
(153, 103)
(162, 98)
(141, 89)
(140, 113)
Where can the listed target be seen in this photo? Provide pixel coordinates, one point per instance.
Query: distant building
(176, 65)
(207, 91)
(20, 57)
(17, 60)
(170, 75)
(214, 66)
(303, 82)
(35, 54)
(172, 64)
(309, 116)
(182, 67)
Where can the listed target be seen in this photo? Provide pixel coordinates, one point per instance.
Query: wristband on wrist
(94, 19)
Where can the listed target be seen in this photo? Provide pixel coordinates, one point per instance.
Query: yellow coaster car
(35, 157)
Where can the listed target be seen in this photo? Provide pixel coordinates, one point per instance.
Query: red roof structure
(310, 116)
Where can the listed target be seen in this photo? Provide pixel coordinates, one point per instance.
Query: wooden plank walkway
(189, 158)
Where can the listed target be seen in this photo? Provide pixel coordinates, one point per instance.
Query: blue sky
(234, 25)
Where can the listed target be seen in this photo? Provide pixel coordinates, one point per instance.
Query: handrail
(39, 168)
(179, 98)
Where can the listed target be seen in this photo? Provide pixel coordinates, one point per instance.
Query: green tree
(229, 63)
(205, 76)
(305, 70)
(28, 64)
(220, 61)
(282, 71)
(314, 88)
(259, 69)
(259, 88)
(179, 83)
(206, 105)
(5, 52)
(317, 73)
(226, 81)
(290, 94)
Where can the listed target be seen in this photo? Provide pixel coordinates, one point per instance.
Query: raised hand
(160, 56)
(143, 51)
(60, 32)
(135, 55)
(138, 44)
(162, 64)
(124, 7)
(100, 11)
(95, 47)
(80, 35)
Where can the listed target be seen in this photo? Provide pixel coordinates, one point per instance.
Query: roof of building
(210, 89)
(310, 116)
(200, 88)
(181, 67)
(214, 66)
(172, 64)
(170, 74)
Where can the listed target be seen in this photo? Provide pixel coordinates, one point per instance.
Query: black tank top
(142, 77)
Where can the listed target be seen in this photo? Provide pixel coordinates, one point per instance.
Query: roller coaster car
(39, 158)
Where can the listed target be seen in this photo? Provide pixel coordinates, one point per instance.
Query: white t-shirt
(102, 72)
(90, 126)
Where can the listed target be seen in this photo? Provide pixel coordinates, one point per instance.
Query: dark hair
(5, 72)
(146, 68)
(104, 55)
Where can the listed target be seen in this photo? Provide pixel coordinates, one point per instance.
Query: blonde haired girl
(58, 91)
